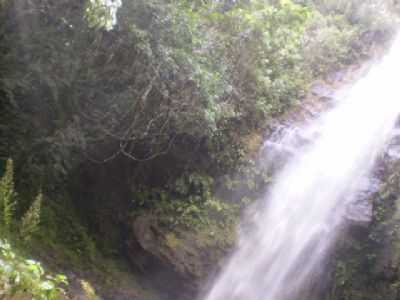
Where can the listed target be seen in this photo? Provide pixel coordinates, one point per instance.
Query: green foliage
(18, 276)
(368, 14)
(100, 13)
(341, 32)
(90, 292)
(77, 88)
(187, 202)
(29, 223)
(61, 226)
(26, 278)
(247, 184)
(167, 71)
(261, 44)
(7, 198)
(31, 220)
(172, 241)
(61, 231)
(328, 44)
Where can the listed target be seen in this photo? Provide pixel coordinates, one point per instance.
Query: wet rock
(374, 37)
(337, 76)
(359, 213)
(368, 264)
(322, 91)
(393, 149)
(393, 152)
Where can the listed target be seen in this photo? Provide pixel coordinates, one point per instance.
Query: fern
(31, 220)
(7, 198)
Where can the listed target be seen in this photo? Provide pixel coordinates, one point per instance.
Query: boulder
(359, 211)
(178, 260)
(323, 91)
(337, 76)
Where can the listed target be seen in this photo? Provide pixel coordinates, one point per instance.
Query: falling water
(296, 223)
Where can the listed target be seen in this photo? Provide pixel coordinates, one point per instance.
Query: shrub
(7, 198)
(19, 276)
(327, 44)
(368, 15)
(31, 220)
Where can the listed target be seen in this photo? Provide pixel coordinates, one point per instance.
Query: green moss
(90, 292)
(218, 237)
(172, 241)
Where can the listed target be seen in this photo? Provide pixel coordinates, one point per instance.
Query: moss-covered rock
(178, 259)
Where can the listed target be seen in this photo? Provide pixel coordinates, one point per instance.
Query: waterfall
(296, 223)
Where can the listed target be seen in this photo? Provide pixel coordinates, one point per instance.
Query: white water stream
(297, 223)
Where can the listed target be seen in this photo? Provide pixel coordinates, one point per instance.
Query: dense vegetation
(107, 117)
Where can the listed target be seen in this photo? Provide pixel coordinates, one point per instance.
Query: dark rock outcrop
(178, 260)
(368, 263)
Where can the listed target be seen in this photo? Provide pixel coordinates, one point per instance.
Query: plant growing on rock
(7, 199)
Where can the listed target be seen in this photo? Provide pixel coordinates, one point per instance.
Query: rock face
(177, 260)
(359, 212)
(368, 263)
(323, 91)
